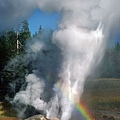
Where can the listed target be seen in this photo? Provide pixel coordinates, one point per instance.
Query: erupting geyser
(80, 55)
(81, 42)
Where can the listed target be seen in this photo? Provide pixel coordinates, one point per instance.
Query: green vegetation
(8, 43)
(9, 48)
(110, 66)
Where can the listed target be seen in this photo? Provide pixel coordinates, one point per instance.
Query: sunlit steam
(57, 79)
(80, 57)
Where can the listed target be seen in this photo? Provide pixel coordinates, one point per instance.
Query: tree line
(13, 42)
(13, 66)
(109, 68)
(8, 42)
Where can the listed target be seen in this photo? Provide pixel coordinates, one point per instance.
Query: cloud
(13, 12)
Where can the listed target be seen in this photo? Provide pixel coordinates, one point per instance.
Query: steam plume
(83, 29)
(80, 42)
(13, 12)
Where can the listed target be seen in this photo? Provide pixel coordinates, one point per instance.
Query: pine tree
(24, 33)
(7, 47)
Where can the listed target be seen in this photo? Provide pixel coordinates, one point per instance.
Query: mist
(13, 12)
(77, 48)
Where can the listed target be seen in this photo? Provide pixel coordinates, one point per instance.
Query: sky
(49, 20)
(46, 20)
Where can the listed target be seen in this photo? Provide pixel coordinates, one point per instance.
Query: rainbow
(81, 107)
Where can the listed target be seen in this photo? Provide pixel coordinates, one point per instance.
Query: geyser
(78, 45)
(79, 58)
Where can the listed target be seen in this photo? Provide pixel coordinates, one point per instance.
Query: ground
(102, 97)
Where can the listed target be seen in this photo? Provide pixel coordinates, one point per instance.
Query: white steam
(80, 39)
(13, 12)
(32, 94)
(80, 48)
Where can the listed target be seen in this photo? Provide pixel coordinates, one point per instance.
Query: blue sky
(46, 20)
(50, 20)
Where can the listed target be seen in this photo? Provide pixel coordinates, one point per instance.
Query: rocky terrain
(40, 117)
